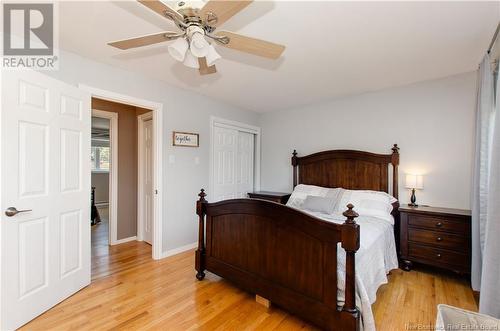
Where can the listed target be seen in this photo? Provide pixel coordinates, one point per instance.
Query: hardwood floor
(131, 291)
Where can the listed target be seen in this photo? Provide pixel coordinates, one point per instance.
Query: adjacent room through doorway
(122, 189)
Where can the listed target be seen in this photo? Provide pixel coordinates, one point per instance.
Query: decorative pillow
(325, 205)
(301, 192)
(368, 203)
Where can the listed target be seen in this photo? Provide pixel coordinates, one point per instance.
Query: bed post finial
(350, 214)
(200, 252)
(294, 165)
(350, 243)
(202, 195)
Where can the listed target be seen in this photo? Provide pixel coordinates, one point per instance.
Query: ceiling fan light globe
(199, 46)
(212, 55)
(191, 61)
(178, 49)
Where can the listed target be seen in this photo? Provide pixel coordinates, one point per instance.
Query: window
(99, 158)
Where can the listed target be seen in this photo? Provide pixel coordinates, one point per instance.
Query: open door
(45, 194)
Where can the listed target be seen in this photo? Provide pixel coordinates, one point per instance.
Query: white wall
(432, 122)
(183, 111)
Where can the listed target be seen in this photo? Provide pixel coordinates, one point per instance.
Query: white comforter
(374, 259)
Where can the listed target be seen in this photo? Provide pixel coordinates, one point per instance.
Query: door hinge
(156, 191)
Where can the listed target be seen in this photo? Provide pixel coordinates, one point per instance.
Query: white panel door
(45, 168)
(148, 182)
(225, 148)
(244, 164)
(233, 163)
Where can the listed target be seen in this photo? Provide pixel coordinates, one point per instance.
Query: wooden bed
(288, 256)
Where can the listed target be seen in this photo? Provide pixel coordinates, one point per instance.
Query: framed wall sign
(185, 139)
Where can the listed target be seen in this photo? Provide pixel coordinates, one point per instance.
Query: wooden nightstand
(436, 236)
(278, 197)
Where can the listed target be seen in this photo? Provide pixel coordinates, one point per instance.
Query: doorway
(157, 150)
(100, 160)
(116, 195)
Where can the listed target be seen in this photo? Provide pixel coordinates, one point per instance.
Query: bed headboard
(355, 170)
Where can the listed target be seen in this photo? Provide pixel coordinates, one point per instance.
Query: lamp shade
(414, 181)
(191, 61)
(199, 46)
(212, 55)
(178, 49)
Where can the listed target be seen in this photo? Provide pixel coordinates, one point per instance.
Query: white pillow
(300, 193)
(325, 205)
(368, 203)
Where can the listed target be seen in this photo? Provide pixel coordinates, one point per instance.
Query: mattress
(374, 259)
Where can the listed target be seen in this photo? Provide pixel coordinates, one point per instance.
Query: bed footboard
(281, 254)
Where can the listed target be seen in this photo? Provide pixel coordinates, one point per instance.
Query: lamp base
(413, 199)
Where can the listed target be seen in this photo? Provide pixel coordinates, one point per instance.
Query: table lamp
(414, 182)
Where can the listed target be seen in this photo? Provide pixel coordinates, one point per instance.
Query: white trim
(113, 172)
(140, 172)
(102, 204)
(224, 123)
(179, 250)
(125, 240)
(157, 109)
(100, 171)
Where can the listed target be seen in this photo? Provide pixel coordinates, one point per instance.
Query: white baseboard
(178, 250)
(124, 240)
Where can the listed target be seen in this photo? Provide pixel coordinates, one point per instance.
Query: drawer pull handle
(439, 239)
(438, 255)
(439, 224)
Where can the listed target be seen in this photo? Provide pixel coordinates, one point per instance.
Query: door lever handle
(12, 211)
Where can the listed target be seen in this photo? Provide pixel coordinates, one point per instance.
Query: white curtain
(490, 281)
(486, 195)
(485, 104)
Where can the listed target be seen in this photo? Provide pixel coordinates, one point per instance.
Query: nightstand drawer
(436, 255)
(438, 223)
(438, 239)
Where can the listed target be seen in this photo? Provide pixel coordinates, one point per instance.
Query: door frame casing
(113, 172)
(140, 172)
(240, 126)
(157, 110)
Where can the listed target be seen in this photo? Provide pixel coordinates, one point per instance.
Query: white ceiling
(333, 48)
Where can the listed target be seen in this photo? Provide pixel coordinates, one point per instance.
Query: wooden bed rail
(281, 254)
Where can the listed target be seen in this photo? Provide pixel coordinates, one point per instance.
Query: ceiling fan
(198, 21)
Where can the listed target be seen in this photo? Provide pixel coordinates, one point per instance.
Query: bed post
(350, 243)
(294, 164)
(200, 252)
(395, 165)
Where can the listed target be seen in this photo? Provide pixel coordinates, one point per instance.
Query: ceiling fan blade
(145, 40)
(223, 9)
(161, 8)
(204, 68)
(251, 45)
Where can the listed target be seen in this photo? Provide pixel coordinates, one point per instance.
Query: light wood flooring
(131, 291)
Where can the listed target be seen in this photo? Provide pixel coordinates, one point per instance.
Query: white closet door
(233, 163)
(225, 150)
(244, 164)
